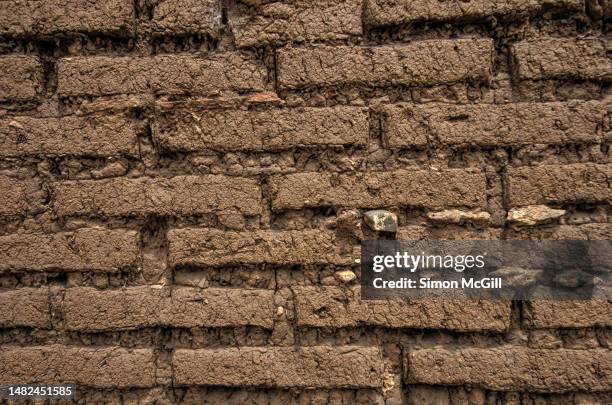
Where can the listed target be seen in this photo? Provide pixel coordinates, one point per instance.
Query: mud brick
(211, 247)
(187, 17)
(511, 368)
(35, 18)
(99, 367)
(12, 196)
(420, 188)
(180, 195)
(392, 12)
(162, 74)
(25, 307)
(297, 21)
(569, 314)
(502, 125)
(335, 307)
(559, 58)
(261, 130)
(21, 79)
(71, 135)
(280, 367)
(579, 182)
(89, 309)
(85, 249)
(429, 62)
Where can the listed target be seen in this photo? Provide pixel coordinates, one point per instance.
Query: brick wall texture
(183, 186)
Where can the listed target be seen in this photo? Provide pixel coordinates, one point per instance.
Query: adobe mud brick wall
(183, 183)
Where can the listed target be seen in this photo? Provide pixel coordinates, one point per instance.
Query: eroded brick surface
(391, 12)
(22, 77)
(162, 74)
(560, 58)
(102, 367)
(12, 196)
(539, 370)
(25, 307)
(559, 183)
(32, 18)
(105, 136)
(400, 188)
(88, 309)
(262, 130)
(419, 63)
(177, 195)
(335, 307)
(297, 21)
(514, 124)
(185, 17)
(84, 249)
(212, 247)
(569, 314)
(317, 366)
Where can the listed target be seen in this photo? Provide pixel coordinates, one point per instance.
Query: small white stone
(534, 214)
(345, 276)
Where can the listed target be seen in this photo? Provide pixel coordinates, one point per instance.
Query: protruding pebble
(280, 311)
(455, 216)
(345, 276)
(381, 220)
(534, 214)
